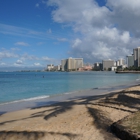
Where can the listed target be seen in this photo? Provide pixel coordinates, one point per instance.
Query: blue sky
(34, 33)
(29, 35)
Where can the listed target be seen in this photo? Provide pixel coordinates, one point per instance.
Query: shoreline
(50, 100)
(23, 96)
(81, 118)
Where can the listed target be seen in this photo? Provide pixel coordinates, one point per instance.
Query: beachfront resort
(76, 64)
(102, 106)
(69, 69)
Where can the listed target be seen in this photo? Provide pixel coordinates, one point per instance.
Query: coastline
(50, 100)
(85, 117)
(23, 86)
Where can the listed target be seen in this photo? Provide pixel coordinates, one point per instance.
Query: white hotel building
(71, 64)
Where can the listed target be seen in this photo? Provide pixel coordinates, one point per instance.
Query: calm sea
(15, 86)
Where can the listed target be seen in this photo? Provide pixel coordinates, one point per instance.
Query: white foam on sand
(29, 99)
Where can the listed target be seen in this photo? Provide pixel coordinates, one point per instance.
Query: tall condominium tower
(136, 53)
(120, 62)
(130, 60)
(71, 64)
(64, 64)
(107, 64)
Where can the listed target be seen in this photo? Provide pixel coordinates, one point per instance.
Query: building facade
(50, 67)
(64, 65)
(71, 64)
(114, 68)
(98, 66)
(78, 62)
(136, 53)
(57, 68)
(85, 68)
(107, 64)
(130, 60)
(120, 62)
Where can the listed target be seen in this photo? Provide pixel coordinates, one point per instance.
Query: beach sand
(82, 119)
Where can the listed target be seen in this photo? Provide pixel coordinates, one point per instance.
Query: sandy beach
(82, 119)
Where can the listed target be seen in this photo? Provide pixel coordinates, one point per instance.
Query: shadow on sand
(100, 121)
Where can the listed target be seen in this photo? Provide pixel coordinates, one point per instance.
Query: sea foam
(29, 99)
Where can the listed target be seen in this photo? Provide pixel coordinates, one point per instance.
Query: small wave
(67, 93)
(29, 99)
(137, 79)
(36, 98)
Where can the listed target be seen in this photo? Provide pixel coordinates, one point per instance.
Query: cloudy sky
(34, 33)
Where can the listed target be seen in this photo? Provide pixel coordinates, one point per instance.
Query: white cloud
(49, 31)
(76, 43)
(45, 58)
(126, 14)
(28, 33)
(37, 64)
(125, 37)
(110, 31)
(62, 39)
(2, 64)
(15, 49)
(37, 5)
(31, 32)
(22, 60)
(21, 44)
(8, 54)
(19, 62)
(28, 57)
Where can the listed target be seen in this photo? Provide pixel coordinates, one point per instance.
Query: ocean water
(26, 86)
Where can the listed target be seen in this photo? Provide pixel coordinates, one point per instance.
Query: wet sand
(86, 118)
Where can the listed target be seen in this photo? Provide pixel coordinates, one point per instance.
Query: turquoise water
(36, 85)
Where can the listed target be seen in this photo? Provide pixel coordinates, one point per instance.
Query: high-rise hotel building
(130, 60)
(107, 64)
(71, 64)
(136, 53)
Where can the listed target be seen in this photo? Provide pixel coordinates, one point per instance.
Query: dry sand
(82, 119)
